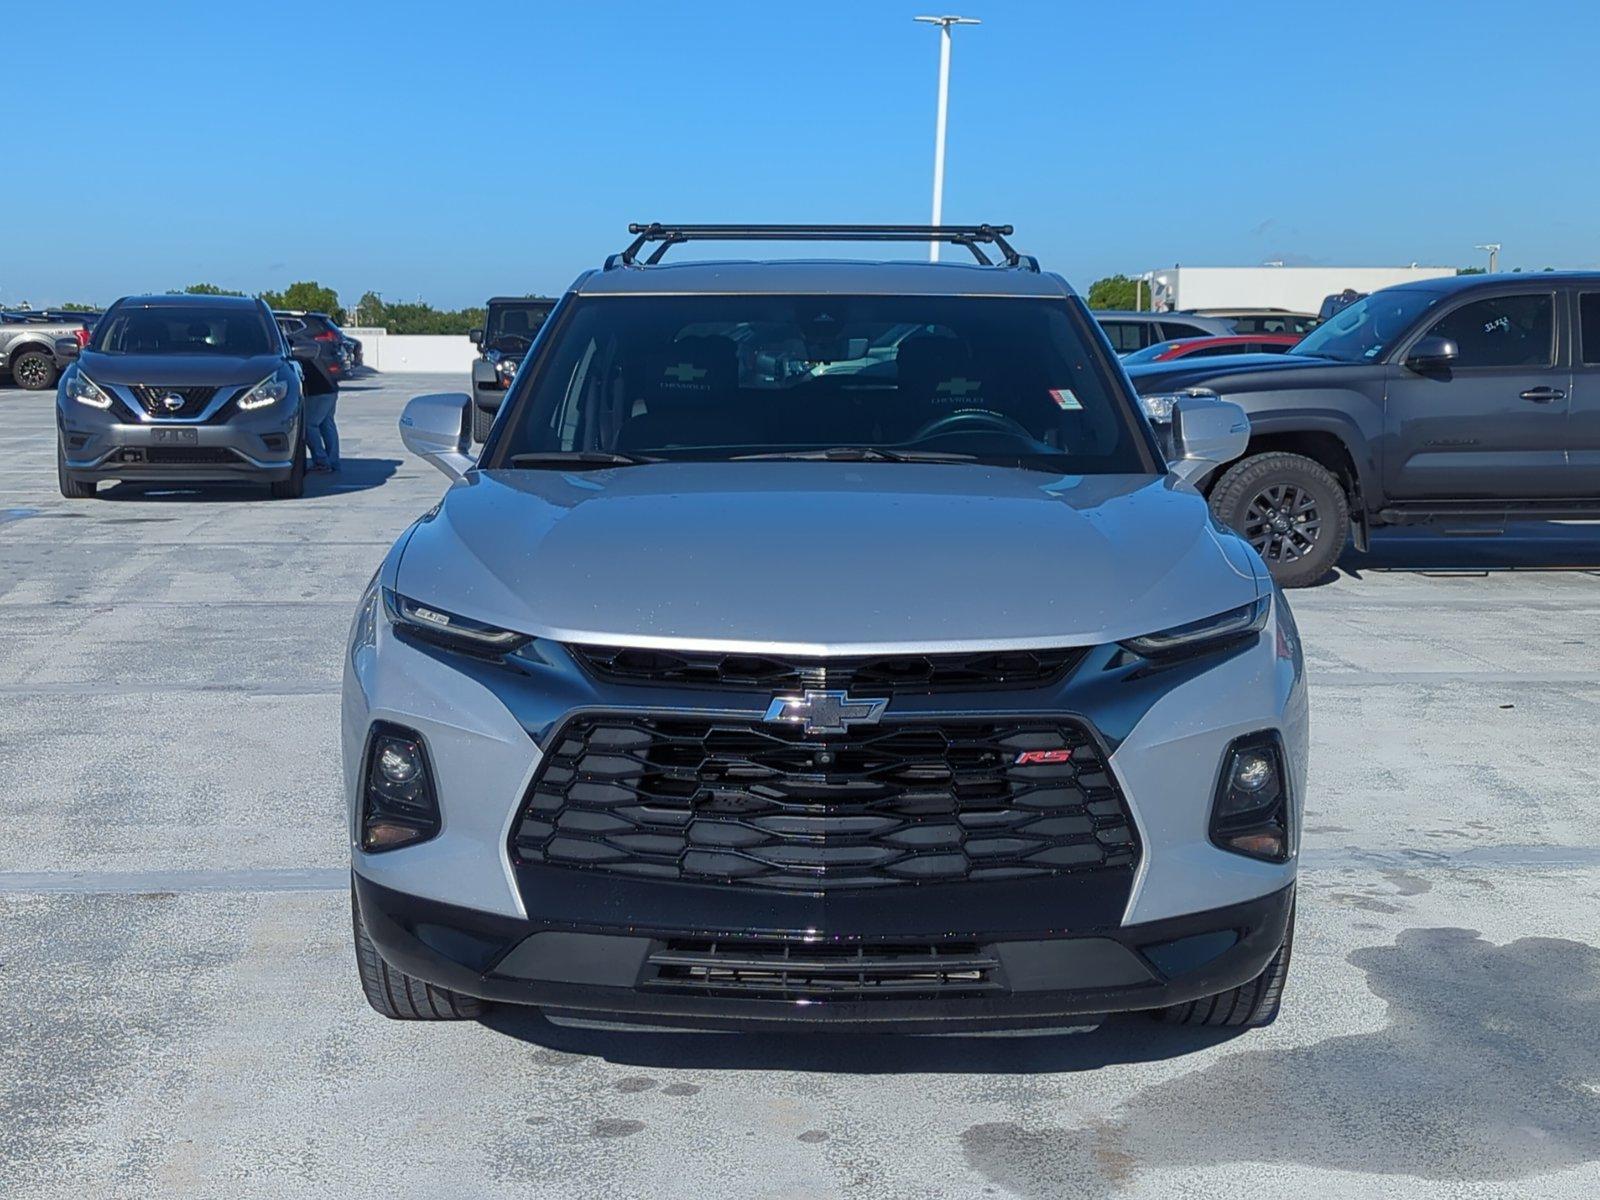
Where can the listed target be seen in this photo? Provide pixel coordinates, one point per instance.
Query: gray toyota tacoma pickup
(1473, 399)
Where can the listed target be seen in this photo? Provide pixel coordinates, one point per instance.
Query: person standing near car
(322, 435)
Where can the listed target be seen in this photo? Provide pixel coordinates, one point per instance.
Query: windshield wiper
(578, 460)
(859, 454)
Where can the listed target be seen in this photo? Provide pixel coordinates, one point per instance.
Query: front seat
(690, 397)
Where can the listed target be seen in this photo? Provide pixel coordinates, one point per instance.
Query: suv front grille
(790, 970)
(880, 674)
(152, 398)
(763, 805)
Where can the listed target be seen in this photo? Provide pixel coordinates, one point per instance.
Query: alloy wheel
(1283, 522)
(31, 371)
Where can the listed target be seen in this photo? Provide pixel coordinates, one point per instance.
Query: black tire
(71, 488)
(399, 996)
(1248, 1005)
(293, 487)
(482, 422)
(34, 370)
(1291, 508)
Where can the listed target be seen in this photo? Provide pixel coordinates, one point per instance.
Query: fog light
(399, 805)
(1250, 811)
(1251, 772)
(398, 762)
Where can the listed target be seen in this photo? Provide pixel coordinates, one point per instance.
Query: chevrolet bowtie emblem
(826, 712)
(685, 372)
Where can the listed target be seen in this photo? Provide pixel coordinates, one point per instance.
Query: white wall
(1299, 289)
(440, 354)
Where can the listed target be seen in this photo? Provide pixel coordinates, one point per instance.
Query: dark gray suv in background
(182, 388)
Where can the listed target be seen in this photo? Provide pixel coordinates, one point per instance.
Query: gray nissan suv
(823, 645)
(186, 389)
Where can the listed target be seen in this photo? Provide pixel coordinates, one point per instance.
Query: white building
(1298, 289)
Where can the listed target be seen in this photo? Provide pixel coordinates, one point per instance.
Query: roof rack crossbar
(973, 237)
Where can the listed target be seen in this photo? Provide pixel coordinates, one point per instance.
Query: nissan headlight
(84, 390)
(1205, 635)
(1158, 405)
(266, 393)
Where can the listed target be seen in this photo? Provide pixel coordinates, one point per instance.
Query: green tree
(203, 289)
(1114, 291)
(1470, 271)
(77, 306)
(307, 296)
(418, 316)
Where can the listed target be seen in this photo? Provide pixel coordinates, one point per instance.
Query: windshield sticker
(1065, 399)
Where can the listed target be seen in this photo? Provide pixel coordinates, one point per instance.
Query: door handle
(1544, 395)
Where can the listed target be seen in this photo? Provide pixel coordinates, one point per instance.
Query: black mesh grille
(173, 456)
(153, 398)
(795, 970)
(877, 674)
(764, 805)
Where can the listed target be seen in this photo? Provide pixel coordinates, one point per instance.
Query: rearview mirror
(435, 429)
(477, 337)
(1205, 434)
(1431, 353)
(67, 348)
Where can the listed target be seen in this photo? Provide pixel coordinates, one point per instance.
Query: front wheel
(70, 487)
(1291, 508)
(482, 422)
(293, 487)
(399, 996)
(1248, 1005)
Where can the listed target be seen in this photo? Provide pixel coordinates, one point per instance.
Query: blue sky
(454, 151)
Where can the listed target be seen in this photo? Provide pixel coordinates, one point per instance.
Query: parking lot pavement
(183, 1017)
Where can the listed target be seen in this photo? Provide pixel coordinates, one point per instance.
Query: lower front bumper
(611, 973)
(218, 452)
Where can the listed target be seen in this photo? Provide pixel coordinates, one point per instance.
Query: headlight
(86, 391)
(1158, 405)
(506, 366)
(269, 391)
(449, 630)
(1210, 633)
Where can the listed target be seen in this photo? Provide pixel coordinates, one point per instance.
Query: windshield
(510, 327)
(717, 378)
(1365, 330)
(1148, 354)
(235, 331)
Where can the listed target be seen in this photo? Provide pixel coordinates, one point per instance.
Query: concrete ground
(181, 1012)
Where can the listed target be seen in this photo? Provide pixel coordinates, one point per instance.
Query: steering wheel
(978, 418)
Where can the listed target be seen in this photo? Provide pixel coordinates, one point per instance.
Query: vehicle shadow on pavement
(1121, 1039)
(1524, 546)
(354, 475)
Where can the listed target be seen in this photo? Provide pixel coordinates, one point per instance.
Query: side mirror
(67, 348)
(435, 428)
(477, 337)
(1431, 353)
(1205, 434)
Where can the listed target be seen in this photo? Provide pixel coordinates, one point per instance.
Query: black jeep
(503, 342)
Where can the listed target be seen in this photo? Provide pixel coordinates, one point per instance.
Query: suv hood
(1256, 371)
(178, 370)
(825, 558)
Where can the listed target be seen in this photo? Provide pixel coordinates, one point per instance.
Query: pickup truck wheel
(1291, 509)
(399, 996)
(33, 369)
(1249, 1004)
(482, 422)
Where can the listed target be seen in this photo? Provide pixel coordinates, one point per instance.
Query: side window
(1214, 351)
(1177, 329)
(1124, 335)
(1589, 328)
(1503, 331)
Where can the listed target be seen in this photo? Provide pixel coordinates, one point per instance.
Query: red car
(1210, 347)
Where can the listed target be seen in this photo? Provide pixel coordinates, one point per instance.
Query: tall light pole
(1494, 255)
(944, 24)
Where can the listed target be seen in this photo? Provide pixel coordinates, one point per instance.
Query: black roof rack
(960, 235)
